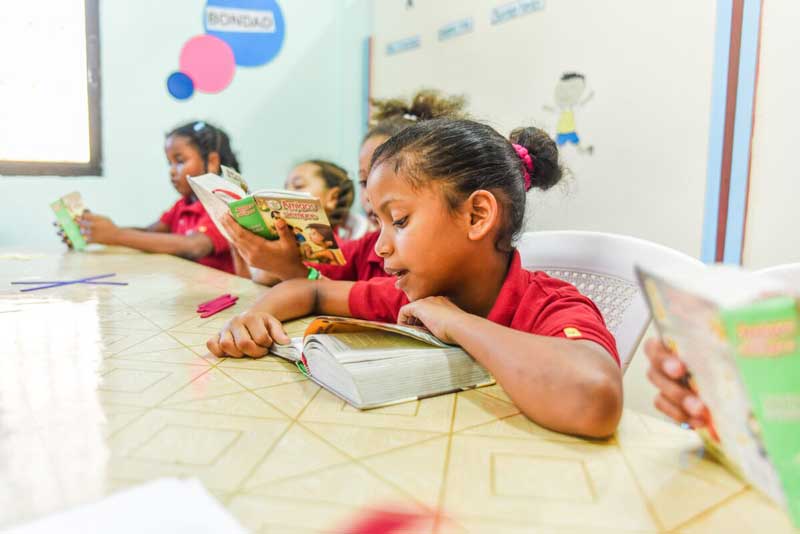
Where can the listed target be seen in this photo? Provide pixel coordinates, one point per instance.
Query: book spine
(68, 224)
(766, 340)
(246, 213)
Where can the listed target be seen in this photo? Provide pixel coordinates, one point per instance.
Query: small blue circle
(254, 29)
(180, 85)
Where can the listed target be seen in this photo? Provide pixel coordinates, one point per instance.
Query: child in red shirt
(280, 260)
(185, 229)
(450, 198)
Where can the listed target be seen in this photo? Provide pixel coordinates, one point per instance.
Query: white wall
(650, 65)
(771, 235)
(306, 103)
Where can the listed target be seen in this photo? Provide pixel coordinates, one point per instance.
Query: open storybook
(739, 335)
(260, 210)
(371, 364)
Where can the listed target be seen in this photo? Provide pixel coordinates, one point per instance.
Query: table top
(104, 387)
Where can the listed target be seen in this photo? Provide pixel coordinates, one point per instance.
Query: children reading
(185, 229)
(450, 198)
(279, 260)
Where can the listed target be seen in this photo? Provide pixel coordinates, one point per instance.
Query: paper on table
(167, 505)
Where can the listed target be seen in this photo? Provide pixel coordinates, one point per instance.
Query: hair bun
(547, 170)
(424, 105)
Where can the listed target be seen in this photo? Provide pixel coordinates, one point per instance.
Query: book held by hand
(260, 211)
(739, 335)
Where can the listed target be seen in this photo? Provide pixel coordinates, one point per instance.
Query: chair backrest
(601, 266)
(788, 273)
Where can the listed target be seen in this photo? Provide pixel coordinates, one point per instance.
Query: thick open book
(739, 335)
(370, 364)
(260, 210)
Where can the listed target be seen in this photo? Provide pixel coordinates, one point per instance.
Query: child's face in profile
(364, 159)
(422, 242)
(184, 161)
(305, 177)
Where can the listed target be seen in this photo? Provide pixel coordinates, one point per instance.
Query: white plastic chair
(601, 266)
(788, 273)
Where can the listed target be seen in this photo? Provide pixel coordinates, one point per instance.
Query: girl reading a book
(185, 229)
(274, 261)
(450, 199)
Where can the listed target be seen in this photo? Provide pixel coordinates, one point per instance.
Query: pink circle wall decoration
(209, 62)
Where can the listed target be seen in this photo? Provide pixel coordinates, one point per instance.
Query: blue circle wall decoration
(254, 29)
(180, 85)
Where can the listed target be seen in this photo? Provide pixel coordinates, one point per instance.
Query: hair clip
(199, 125)
(410, 116)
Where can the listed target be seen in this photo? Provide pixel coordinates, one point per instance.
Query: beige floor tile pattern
(284, 455)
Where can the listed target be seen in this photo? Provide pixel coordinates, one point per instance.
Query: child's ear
(331, 199)
(484, 214)
(213, 162)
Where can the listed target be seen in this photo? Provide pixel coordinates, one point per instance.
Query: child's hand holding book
(98, 228)
(281, 257)
(675, 398)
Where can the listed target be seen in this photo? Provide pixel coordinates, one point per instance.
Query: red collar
(195, 206)
(511, 292)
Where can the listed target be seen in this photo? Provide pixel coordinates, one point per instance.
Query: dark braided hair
(466, 156)
(392, 115)
(336, 176)
(207, 138)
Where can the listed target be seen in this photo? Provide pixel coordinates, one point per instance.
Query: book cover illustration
(67, 210)
(305, 217)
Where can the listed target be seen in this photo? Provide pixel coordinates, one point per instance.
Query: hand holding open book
(261, 211)
(739, 335)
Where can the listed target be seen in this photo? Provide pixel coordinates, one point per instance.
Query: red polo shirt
(362, 261)
(528, 301)
(187, 219)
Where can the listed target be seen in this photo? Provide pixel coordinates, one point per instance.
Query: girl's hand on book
(248, 334)
(434, 313)
(675, 398)
(98, 228)
(281, 257)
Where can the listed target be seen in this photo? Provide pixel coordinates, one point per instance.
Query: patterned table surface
(103, 387)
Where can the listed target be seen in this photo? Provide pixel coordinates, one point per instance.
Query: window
(50, 88)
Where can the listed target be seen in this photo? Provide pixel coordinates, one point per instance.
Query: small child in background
(450, 200)
(185, 230)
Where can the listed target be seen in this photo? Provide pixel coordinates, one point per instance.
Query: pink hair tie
(525, 156)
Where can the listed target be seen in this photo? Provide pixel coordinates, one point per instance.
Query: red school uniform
(187, 219)
(528, 301)
(362, 261)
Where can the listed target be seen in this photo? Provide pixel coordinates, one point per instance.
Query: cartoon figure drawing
(570, 93)
(322, 236)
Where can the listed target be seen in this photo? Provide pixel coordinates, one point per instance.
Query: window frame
(94, 166)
